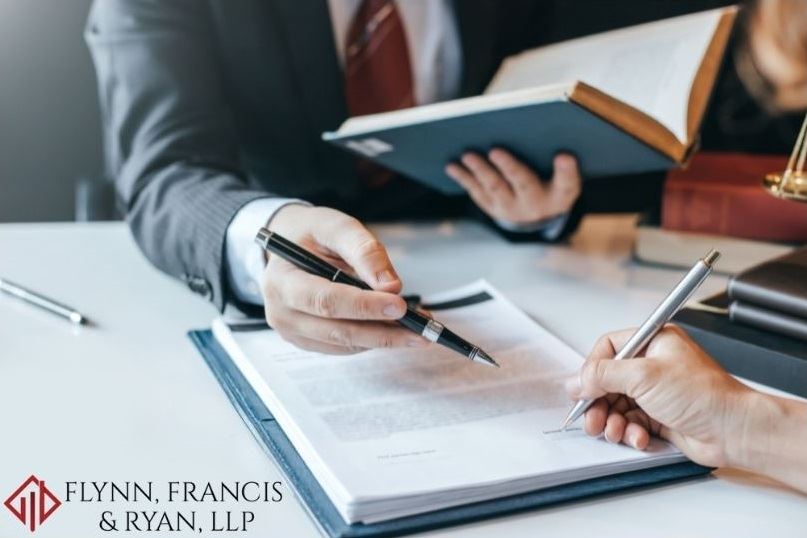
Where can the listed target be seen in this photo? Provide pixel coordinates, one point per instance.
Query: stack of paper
(390, 433)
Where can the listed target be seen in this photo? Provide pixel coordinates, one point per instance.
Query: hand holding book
(618, 107)
(509, 190)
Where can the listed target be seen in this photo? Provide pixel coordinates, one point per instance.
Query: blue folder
(271, 437)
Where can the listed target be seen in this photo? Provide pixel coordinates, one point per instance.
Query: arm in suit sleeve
(169, 140)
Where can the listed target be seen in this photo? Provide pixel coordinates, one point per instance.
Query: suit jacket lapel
(309, 34)
(476, 23)
(311, 48)
(315, 65)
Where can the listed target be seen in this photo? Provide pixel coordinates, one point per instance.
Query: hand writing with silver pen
(676, 391)
(671, 304)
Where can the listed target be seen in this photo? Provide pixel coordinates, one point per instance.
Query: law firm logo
(32, 503)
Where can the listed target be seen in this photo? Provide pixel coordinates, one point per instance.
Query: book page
(395, 432)
(651, 67)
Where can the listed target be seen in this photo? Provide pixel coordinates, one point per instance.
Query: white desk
(132, 400)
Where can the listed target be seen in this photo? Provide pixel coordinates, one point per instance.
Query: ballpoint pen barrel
(412, 320)
(417, 322)
(40, 301)
(665, 311)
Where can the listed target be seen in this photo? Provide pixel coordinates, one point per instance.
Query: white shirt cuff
(244, 258)
(550, 229)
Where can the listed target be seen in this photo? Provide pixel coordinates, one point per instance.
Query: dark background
(50, 130)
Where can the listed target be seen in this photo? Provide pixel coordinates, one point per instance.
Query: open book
(391, 433)
(625, 101)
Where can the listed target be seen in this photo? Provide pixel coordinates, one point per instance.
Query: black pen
(413, 320)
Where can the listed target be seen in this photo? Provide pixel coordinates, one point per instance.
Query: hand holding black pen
(413, 320)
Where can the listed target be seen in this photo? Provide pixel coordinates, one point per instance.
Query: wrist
(244, 260)
(748, 444)
(291, 212)
(550, 226)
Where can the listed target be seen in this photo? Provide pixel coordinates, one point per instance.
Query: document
(390, 433)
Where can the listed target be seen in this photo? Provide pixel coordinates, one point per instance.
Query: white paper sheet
(395, 432)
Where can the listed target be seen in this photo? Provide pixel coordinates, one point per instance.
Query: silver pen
(652, 325)
(33, 298)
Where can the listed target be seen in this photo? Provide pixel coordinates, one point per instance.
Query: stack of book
(773, 296)
(718, 202)
(757, 329)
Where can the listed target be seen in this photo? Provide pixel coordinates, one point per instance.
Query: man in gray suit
(213, 112)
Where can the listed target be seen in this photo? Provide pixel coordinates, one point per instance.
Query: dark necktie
(378, 73)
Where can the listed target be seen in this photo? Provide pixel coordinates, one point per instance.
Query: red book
(722, 194)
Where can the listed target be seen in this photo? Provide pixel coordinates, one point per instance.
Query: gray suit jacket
(209, 104)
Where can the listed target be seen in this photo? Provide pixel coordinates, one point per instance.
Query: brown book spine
(722, 194)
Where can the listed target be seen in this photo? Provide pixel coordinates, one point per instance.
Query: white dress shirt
(436, 60)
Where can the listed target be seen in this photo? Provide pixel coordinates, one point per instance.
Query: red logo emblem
(32, 503)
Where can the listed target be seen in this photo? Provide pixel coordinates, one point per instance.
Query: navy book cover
(535, 133)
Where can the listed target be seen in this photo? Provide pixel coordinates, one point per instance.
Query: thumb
(355, 244)
(599, 377)
(566, 181)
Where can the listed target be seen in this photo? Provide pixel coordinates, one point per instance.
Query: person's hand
(508, 190)
(674, 390)
(319, 315)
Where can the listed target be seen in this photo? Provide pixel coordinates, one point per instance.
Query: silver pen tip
(575, 412)
(567, 422)
(711, 257)
(484, 358)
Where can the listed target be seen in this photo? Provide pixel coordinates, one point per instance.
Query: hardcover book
(779, 285)
(722, 194)
(625, 101)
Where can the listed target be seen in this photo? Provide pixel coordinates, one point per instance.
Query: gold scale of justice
(792, 183)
